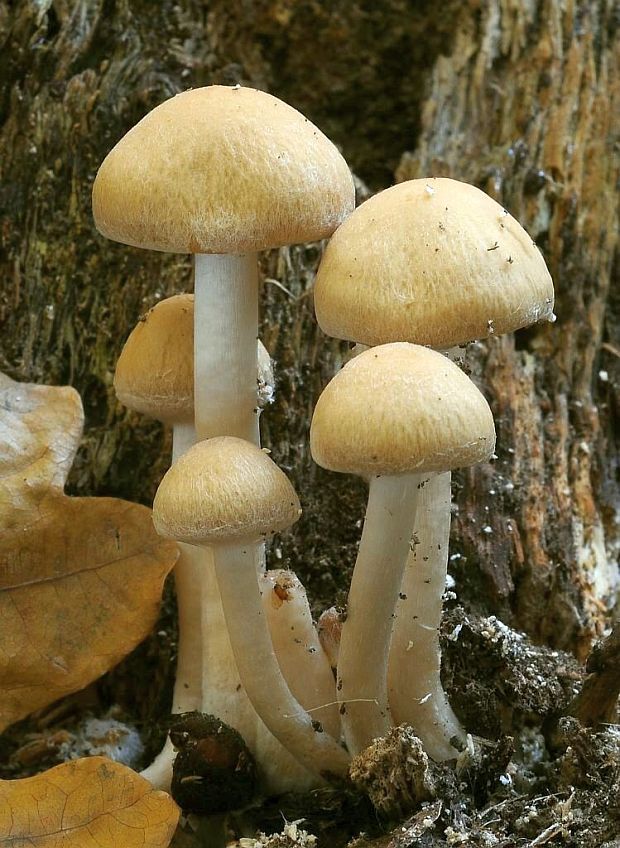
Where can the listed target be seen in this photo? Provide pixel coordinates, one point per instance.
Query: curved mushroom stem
(259, 670)
(225, 697)
(367, 630)
(301, 658)
(416, 694)
(225, 356)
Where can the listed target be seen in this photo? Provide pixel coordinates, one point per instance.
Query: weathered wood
(520, 101)
(524, 106)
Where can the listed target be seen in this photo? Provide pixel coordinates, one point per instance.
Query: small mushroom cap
(432, 261)
(155, 371)
(397, 409)
(224, 490)
(222, 170)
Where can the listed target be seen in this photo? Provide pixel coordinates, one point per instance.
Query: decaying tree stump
(524, 107)
(518, 98)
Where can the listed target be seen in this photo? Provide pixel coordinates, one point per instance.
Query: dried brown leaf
(88, 803)
(80, 578)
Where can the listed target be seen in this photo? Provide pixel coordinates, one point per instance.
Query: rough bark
(519, 99)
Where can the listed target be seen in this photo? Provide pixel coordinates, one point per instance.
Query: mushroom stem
(224, 695)
(258, 667)
(415, 689)
(188, 578)
(225, 333)
(183, 437)
(159, 772)
(367, 630)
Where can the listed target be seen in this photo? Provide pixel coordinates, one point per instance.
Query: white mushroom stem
(188, 578)
(225, 358)
(226, 403)
(367, 630)
(227, 400)
(296, 643)
(225, 697)
(183, 437)
(416, 693)
(258, 667)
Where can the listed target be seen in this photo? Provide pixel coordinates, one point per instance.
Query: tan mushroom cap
(155, 371)
(397, 409)
(224, 490)
(222, 170)
(431, 261)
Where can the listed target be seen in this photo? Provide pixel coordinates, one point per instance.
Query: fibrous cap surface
(224, 490)
(222, 170)
(431, 261)
(401, 408)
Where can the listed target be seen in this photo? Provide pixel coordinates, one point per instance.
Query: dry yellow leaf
(88, 803)
(80, 578)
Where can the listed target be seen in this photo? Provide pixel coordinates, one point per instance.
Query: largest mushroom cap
(222, 170)
(224, 490)
(397, 409)
(431, 261)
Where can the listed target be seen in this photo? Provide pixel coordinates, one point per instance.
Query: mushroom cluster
(222, 173)
(434, 262)
(418, 269)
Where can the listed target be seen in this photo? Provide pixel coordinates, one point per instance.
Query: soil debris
(577, 805)
(499, 680)
(395, 773)
(291, 836)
